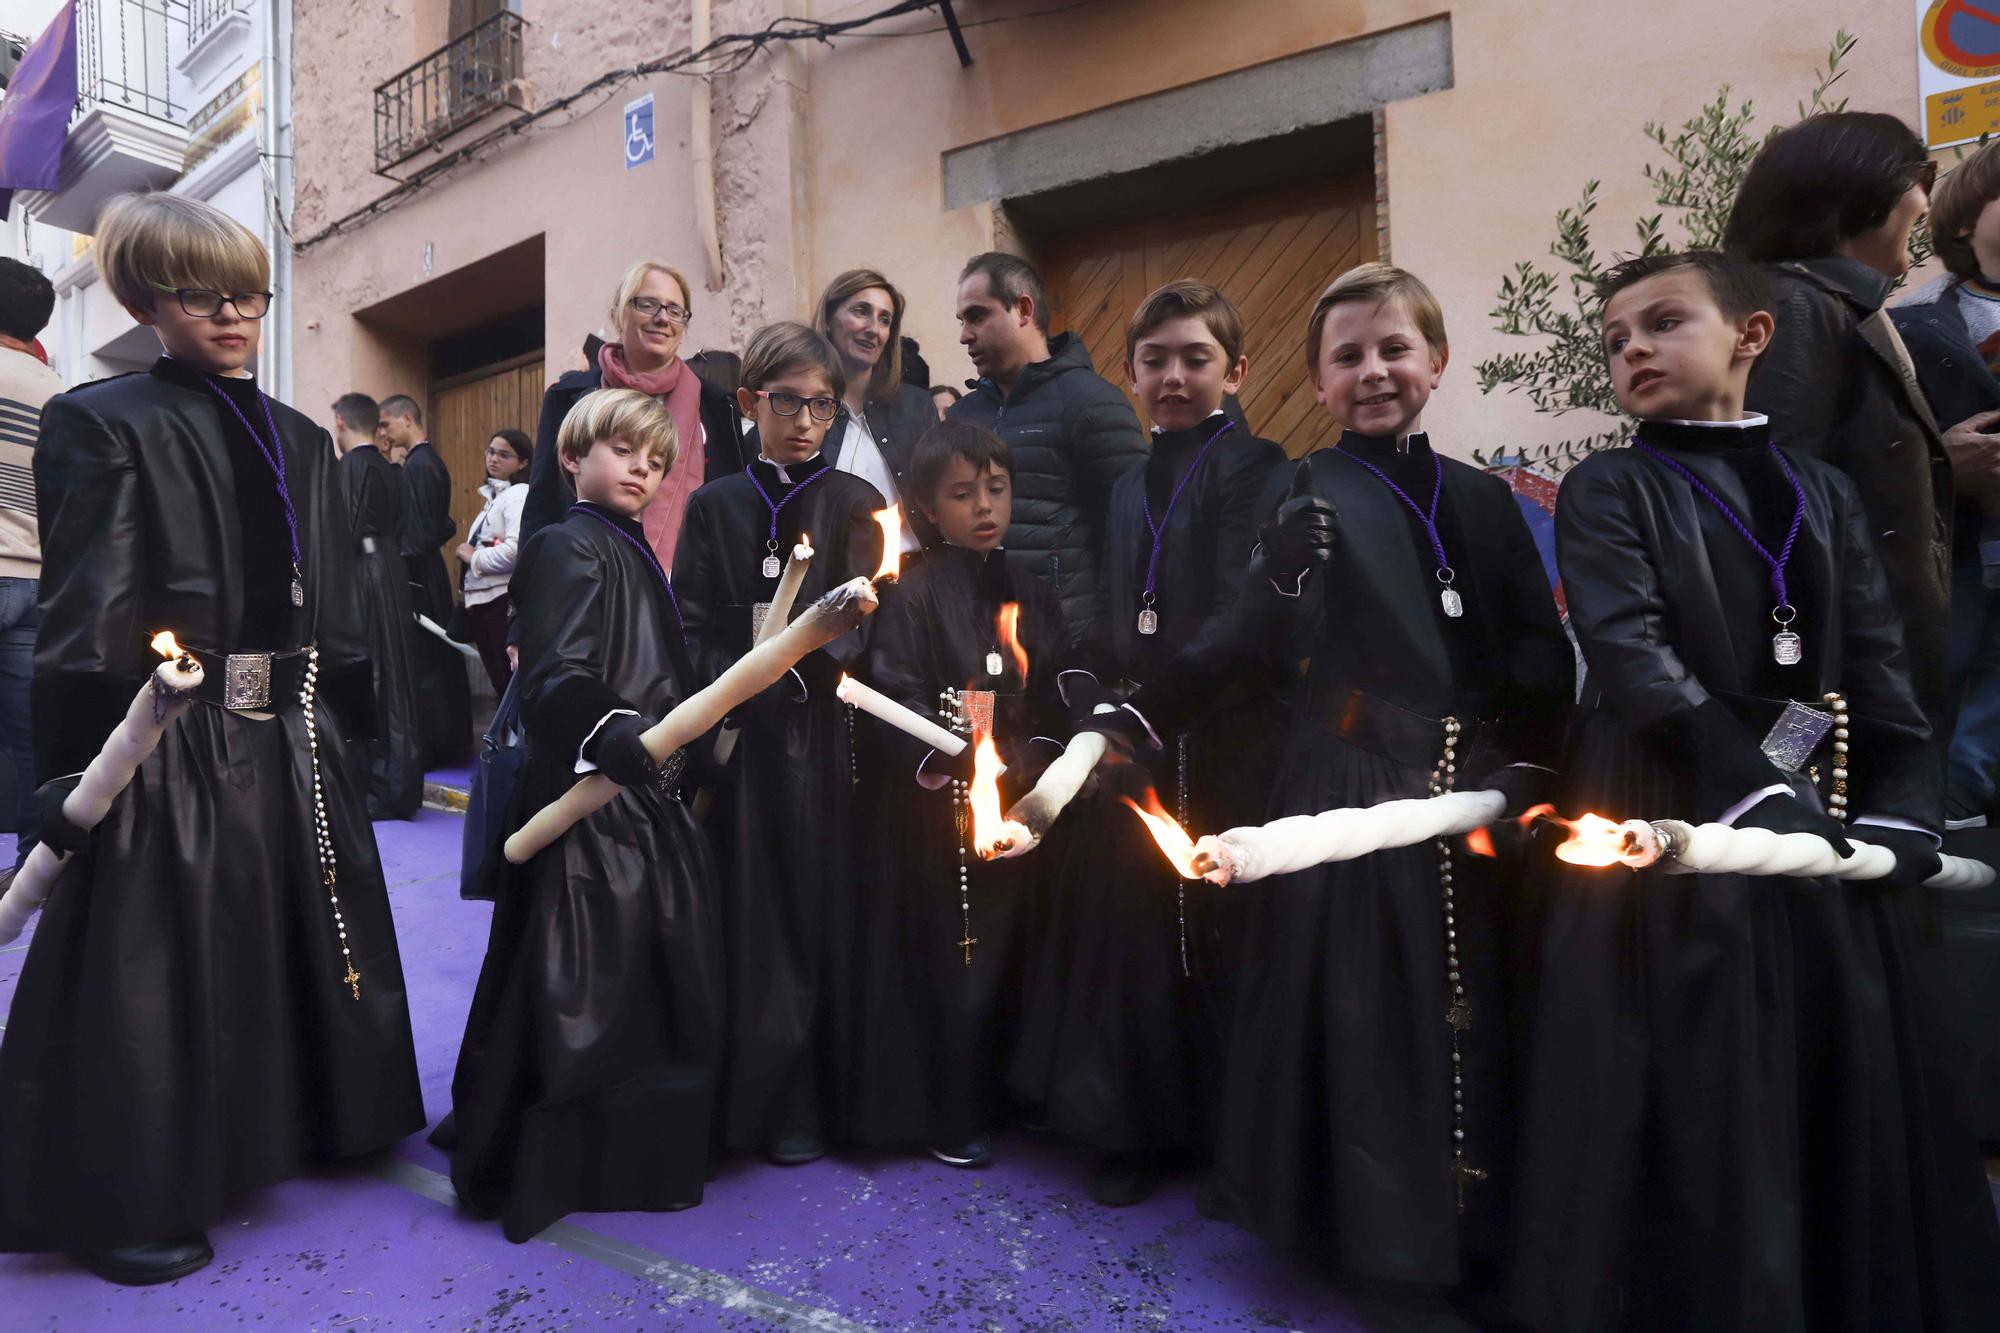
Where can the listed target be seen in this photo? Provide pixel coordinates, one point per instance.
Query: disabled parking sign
(639, 132)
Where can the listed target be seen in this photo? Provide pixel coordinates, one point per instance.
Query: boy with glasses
(782, 825)
(213, 997)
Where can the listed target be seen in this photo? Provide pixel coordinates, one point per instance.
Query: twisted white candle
(1721, 849)
(826, 620)
(906, 720)
(1300, 841)
(1030, 819)
(164, 697)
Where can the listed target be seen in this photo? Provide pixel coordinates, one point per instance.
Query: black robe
(783, 820)
(446, 717)
(393, 764)
(931, 1021)
(1738, 1114)
(589, 1073)
(1336, 1128)
(181, 1031)
(1120, 1040)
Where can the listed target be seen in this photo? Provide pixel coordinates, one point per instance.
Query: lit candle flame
(890, 520)
(1594, 841)
(1010, 635)
(803, 548)
(166, 646)
(983, 796)
(1171, 837)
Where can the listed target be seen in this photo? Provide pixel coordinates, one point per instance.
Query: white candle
(1720, 849)
(1301, 841)
(906, 720)
(164, 697)
(775, 620)
(826, 620)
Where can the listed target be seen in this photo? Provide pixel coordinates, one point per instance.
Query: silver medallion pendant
(1149, 621)
(1787, 649)
(298, 593)
(770, 566)
(993, 664)
(1454, 605)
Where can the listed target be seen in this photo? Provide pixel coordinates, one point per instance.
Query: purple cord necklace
(643, 549)
(771, 546)
(1454, 605)
(1149, 620)
(1786, 647)
(274, 454)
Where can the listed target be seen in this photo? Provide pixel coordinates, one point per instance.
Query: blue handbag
(502, 751)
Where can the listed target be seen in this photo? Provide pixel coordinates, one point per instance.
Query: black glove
(1524, 786)
(54, 827)
(1917, 857)
(619, 753)
(1123, 728)
(770, 701)
(1788, 814)
(1301, 535)
(956, 767)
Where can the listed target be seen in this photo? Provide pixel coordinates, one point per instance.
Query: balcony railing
(447, 90)
(123, 56)
(205, 14)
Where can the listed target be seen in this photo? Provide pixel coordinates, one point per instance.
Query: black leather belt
(1401, 735)
(250, 682)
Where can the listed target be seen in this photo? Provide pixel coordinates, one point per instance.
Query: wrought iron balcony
(447, 90)
(126, 133)
(206, 14)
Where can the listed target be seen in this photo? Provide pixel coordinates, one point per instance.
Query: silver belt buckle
(367, 546)
(246, 681)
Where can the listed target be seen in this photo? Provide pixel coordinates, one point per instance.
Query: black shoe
(1125, 1178)
(147, 1265)
(977, 1153)
(796, 1150)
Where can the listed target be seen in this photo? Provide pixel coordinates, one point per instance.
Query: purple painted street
(850, 1242)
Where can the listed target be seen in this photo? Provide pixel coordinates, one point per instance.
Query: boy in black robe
(782, 825)
(1363, 1102)
(592, 1057)
(1128, 972)
(938, 957)
(393, 771)
(1737, 1114)
(213, 997)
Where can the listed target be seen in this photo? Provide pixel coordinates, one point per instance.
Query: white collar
(1752, 419)
(1218, 412)
(783, 475)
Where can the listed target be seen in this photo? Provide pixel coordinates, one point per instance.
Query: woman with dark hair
(881, 416)
(1827, 208)
(488, 552)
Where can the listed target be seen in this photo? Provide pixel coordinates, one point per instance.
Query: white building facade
(187, 96)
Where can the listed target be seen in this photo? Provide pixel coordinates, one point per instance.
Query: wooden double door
(1272, 252)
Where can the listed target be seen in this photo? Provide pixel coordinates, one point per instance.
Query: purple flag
(34, 117)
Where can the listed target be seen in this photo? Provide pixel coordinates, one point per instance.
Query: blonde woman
(649, 318)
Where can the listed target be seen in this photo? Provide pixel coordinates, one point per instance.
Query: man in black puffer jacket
(1071, 431)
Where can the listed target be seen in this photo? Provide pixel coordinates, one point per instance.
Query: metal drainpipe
(277, 91)
(701, 151)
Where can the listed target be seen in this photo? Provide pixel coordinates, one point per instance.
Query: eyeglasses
(648, 307)
(1927, 175)
(788, 404)
(202, 303)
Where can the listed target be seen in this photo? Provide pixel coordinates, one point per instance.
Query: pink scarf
(679, 388)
